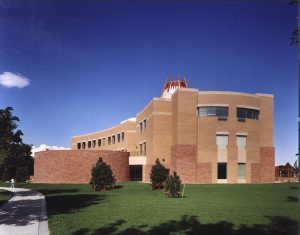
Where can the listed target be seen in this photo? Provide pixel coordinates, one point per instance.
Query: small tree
(173, 185)
(102, 176)
(158, 175)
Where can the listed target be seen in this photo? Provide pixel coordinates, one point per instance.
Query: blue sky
(92, 64)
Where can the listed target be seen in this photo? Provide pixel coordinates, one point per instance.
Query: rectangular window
(89, 144)
(113, 139)
(123, 136)
(103, 141)
(119, 137)
(241, 171)
(222, 170)
(241, 141)
(214, 111)
(145, 148)
(222, 141)
(141, 149)
(109, 140)
(145, 125)
(243, 113)
(141, 127)
(78, 145)
(99, 142)
(94, 143)
(83, 145)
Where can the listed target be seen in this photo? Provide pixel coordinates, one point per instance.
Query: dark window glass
(136, 172)
(123, 136)
(99, 142)
(243, 113)
(94, 143)
(213, 111)
(89, 144)
(109, 140)
(222, 170)
(113, 139)
(78, 145)
(119, 137)
(83, 145)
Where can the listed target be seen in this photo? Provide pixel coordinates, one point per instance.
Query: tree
(14, 154)
(158, 175)
(296, 166)
(102, 176)
(173, 185)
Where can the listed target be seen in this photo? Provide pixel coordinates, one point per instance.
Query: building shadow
(190, 225)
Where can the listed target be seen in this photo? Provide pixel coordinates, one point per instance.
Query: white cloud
(9, 80)
(44, 147)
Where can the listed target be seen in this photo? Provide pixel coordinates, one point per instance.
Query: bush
(173, 185)
(102, 176)
(158, 175)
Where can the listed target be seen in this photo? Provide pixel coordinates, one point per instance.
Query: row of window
(143, 126)
(102, 141)
(222, 113)
(222, 170)
(222, 141)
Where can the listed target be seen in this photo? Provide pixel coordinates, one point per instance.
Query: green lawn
(134, 209)
(4, 196)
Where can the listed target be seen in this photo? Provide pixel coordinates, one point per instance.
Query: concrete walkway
(24, 214)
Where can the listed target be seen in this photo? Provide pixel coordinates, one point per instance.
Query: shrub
(173, 185)
(158, 175)
(21, 174)
(102, 176)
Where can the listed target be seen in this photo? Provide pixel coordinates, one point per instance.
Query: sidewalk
(24, 214)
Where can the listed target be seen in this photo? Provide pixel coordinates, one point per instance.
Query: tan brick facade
(201, 148)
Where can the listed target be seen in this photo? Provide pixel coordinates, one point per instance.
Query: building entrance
(136, 172)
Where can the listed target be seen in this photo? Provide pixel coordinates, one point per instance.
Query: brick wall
(267, 160)
(255, 173)
(183, 161)
(204, 173)
(74, 166)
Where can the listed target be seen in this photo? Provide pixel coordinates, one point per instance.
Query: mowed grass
(4, 196)
(134, 209)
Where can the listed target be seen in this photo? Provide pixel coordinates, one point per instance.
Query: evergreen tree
(158, 175)
(173, 185)
(14, 153)
(102, 176)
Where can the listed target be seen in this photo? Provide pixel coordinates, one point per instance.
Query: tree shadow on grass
(190, 225)
(57, 191)
(292, 199)
(65, 204)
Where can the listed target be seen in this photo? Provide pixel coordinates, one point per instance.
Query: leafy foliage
(173, 185)
(102, 176)
(14, 154)
(158, 175)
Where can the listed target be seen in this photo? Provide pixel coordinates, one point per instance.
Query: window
(109, 140)
(103, 141)
(241, 141)
(141, 148)
(241, 171)
(145, 148)
(83, 145)
(222, 141)
(123, 136)
(89, 144)
(222, 170)
(78, 145)
(94, 143)
(215, 111)
(113, 139)
(119, 137)
(141, 127)
(145, 124)
(243, 113)
(99, 142)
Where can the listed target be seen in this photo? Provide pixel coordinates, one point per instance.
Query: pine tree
(173, 185)
(102, 176)
(158, 175)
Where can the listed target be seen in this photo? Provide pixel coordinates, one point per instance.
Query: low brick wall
(74, 166)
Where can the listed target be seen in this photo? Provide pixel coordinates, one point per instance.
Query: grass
(4, 196)
(134, 209)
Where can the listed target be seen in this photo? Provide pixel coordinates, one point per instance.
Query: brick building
(205, 136)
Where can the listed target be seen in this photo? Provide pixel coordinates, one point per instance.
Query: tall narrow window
(141, 149)
(109, 140)
(141, 127)
(113, 139)
(241, 171)
(104, 141)
(83, 145)
(222, 143)
(145, 148)
(123, 136)
(78, 145)
(94, 143)
(222, 170)
(241, 142)
(119, 137)
(89, 144)
(99, 142)
(145, 124)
